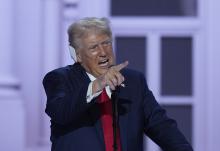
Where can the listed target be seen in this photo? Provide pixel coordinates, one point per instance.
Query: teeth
(103, 63)
(104, 60)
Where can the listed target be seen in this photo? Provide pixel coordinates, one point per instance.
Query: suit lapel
(123, 110)
(94, 113)
(98, 127)
(123, 131)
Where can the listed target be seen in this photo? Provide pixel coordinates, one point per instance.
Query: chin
(102, 71)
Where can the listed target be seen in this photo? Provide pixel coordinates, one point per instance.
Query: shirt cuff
(89, 95)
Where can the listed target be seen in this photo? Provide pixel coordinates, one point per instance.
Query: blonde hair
(81, 27)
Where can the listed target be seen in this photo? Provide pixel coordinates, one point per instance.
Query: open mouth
(104, 63)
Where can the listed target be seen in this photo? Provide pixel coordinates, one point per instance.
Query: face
(95, 53)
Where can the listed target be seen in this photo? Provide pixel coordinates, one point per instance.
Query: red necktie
(106, 119)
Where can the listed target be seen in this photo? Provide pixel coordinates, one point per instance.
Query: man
(81, 120)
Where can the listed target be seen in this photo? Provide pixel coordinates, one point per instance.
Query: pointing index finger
(121, 66)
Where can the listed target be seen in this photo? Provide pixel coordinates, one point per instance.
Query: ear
(78, 57)
(73, 53)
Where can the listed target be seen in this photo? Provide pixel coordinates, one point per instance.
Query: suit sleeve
(160, 128)
(65, 103)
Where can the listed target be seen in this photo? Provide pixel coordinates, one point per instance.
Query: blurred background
(175, 43)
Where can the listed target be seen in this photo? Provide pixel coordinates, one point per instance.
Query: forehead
(95, 35)
(94, 38)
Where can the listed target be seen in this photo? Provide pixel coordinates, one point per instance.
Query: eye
(93, 47)
(106, 43)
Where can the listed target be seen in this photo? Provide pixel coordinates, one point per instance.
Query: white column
(52, 55)
(28, 64)
(213, 87)
(70, 13)
(11, 107)
(52, 33)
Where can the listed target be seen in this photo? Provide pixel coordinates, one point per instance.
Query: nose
(102, 50)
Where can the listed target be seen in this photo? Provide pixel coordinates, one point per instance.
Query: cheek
(111, 54)
(92, 60)
(90, 57)
(94, 53)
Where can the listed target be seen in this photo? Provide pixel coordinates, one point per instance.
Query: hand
(112, 78)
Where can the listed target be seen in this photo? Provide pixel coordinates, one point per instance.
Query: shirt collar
(91, 77)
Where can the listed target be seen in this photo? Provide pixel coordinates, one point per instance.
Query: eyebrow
(108, 39)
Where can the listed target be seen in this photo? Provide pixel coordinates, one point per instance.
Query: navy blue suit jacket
(75, 124)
